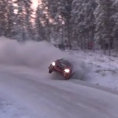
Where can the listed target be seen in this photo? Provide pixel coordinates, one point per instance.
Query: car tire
(50, 71)
(67, 77)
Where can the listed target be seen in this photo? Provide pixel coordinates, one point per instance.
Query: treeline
(85, 24)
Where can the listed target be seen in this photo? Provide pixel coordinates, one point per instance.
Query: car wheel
(67, 77)
(50, 71)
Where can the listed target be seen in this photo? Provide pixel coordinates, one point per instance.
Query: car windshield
(64, 62)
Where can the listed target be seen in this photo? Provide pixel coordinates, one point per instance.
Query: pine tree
(10, 31)
(59, 20)
(3, 16)
(83, 22)
(114, 18)
(104, 24)
(23, 20)
(39, 26)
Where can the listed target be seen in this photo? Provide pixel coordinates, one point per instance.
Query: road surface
(55, 98)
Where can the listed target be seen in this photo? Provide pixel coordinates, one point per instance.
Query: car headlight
(67, 70)
(53, 63)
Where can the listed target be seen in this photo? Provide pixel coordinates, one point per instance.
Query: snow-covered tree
(40, 33)
(83, 22)
(59, 16)
(104, 24)
(23, 19)
(3, 16)
(114, 18)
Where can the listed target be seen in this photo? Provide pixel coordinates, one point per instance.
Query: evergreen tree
(3, 16)
(114, 18)
(104, 24)
(59, 19)
(39, 25)
(23, 20)
(10, 31)
(83, 22)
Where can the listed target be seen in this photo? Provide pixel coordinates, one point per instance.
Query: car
(63, 67)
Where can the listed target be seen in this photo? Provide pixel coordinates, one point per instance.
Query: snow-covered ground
(28, 91)
(41, 97)
(11, 109)
(99, 69)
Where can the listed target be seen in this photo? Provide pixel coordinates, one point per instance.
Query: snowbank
(103, 70)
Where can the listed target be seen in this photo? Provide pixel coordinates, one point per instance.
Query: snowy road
(53, 98)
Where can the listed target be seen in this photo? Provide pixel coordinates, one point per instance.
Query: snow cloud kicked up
(30, 53)
(38, 56)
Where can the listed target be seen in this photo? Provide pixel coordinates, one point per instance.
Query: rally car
(62, 66)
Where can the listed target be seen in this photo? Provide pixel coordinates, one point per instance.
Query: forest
(67, 24)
